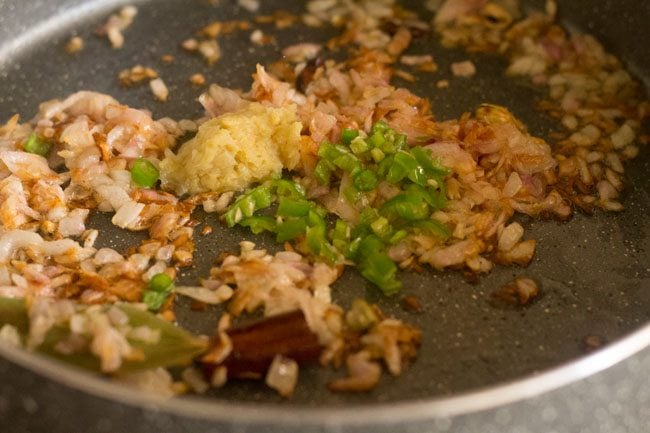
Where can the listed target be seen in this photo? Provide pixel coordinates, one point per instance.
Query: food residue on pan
(374, 182)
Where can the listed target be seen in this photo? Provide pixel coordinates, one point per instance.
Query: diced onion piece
(159, 89)
(282, 375)
(127, 214)
(208, 296)
(510, 236)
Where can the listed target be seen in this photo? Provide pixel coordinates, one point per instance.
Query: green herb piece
(144, 173)
(37, 145)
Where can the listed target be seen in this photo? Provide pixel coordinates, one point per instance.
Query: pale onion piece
(92, 104)
(157, 382)
(526, 289)
(606, 191)
(5, 275)
(219, 100)
(116, 37)
(454, 254)
(194, 378)
(451, 10)
(108, 344)
(77, 135)
(157, 268)
(587, 136)
(614, 161)
(521, 254)
(513, 185)
(15, 240)
(73, 224)
(165, 253)
(363, 374)
(250, 5)
(159, 89)
(463, 69)
(10, 336)
(208, 296)
(89, 237)
(145, 334)
(282, 375)
(107, 255)
(301, 52)
(140, 262)
(510, 235)
(527, 65)
(219, 377)
(9, 291)
(114, 194)
(79, 324)
(127, 214)
(117, 316)
(26, 166)
(316, 6)
(623, 136)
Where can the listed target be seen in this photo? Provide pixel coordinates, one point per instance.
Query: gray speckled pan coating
(594, 272)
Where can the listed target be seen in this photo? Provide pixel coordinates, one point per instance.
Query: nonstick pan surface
(593, 271)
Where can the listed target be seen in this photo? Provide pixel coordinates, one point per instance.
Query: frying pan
(480, 368)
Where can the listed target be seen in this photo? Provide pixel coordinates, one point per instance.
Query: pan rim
(466, 403)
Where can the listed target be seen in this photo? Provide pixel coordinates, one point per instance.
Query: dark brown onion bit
(519, 292)
(255, 345)
(306, 76)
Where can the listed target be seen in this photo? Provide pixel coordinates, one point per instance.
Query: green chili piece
(381, 227)
(37, 145)
(259, 224)
(379, 126)
(144, 173)
(294, 208)
(424, 158)
(287, 188)
(154, 300)
(348, 162)
(290, 229)
(348, 134)
(379, 269)
(365, 180)
(359, 146)
(406, 206)
(246, 205)
(161, 282)
(433, 227)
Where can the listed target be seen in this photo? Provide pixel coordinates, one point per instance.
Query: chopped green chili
(144, 173)
(382, 156)
(37, 145)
